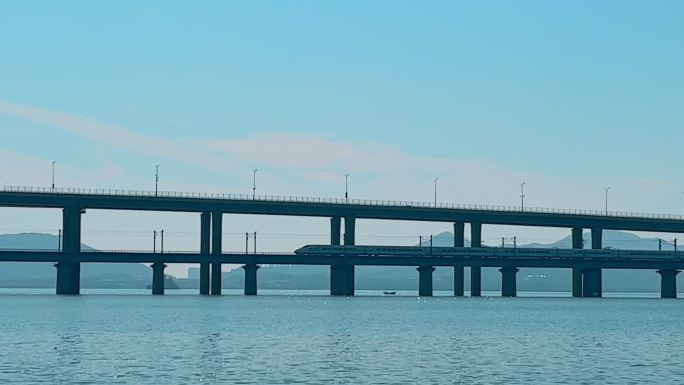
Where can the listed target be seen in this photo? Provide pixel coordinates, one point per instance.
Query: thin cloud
(115, 135)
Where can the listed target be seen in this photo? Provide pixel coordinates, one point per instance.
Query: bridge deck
(491, 260)
(327, 207)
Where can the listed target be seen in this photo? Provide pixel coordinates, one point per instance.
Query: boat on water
(389, 292)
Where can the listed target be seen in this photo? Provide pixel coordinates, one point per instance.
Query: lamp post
(606, 190)
(156, 180)
(254, 171)
(53, 176)
(436, 179)
(522, 196)
(346, 186)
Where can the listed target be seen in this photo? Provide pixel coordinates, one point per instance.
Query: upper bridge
(332, 207)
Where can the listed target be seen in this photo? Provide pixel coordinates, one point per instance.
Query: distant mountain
(406, 278)
(43, 275)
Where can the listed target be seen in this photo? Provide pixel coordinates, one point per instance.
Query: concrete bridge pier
(69, 272)
(576, 282)
(668, 283)
(158, 278)
(459, 284)
(475, 271)
(459, 241)
(251, 278)
(475, 281)
(342, 280)
(508, 281)
(216, 249)
(577, 243)
(425, 280)
(596, 238)
(68, 277)
(205, 248)
(475, 234)
(592, 282)
(342, 275)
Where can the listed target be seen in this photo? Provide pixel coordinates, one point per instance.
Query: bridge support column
(459, 234)
(425, 280)
(335, 228)
(69, 271)
(668, 283)
(68, 277)
(216, 250)
(158, 278)
(577, 243)
(475, 281)
(576, 282)
(475, 234)
(459, 284)
(251, 278)
(596, 238)
(205, 246)
(342, 280)
(459, 241)
(592, 283)
(508, 281)
(342, 276)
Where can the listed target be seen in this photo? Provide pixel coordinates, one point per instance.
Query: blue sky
(567, 96)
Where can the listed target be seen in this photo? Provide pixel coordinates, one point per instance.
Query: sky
(568, 97)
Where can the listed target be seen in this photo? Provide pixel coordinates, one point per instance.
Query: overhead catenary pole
(246, 243)
(255, 242)
(436, 179)
(606, 189)
(162, 242)
(154, 242)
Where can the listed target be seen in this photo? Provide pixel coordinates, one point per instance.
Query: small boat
(389, 292)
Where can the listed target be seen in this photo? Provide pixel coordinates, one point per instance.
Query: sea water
(131, 337)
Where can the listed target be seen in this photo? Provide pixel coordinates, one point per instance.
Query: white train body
(416, 251)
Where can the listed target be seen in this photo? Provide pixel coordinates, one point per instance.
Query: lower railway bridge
(586, 266)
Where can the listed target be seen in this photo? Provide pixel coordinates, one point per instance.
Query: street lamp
(156, 180)
(254, 171)
(346, 186)
(436, 179)
(53, 176)
(606, 190)
(522, 196)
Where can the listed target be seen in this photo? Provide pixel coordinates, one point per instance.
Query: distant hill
(43, 275)
(406, 278)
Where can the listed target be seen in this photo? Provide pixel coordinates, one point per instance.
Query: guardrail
(333, 201)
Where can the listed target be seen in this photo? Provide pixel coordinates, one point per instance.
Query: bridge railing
(334, 201)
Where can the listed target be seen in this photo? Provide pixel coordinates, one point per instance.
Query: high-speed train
(417, 251)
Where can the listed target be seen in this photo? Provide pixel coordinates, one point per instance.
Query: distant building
(193, 272)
